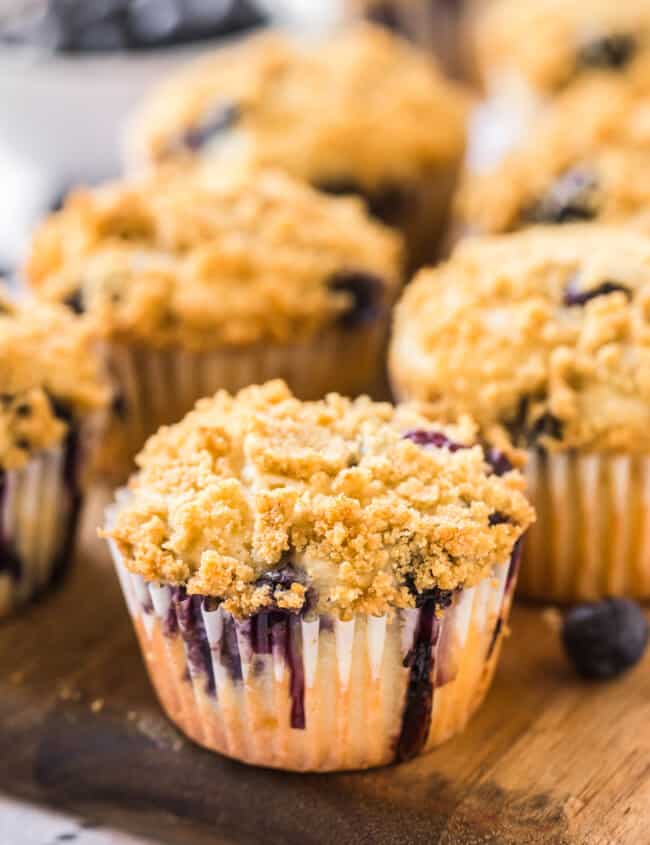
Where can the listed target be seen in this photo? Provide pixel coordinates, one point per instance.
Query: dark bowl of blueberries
(71, 70)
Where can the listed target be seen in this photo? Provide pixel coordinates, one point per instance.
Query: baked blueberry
(573, 296)
(613, 51)
(219, 120)
(440, 598)
(498, 460)
(74, 301)
(571, 198)
(498, 518)
(421, 437)
(366, 292)
(605, 638)
(548, 425)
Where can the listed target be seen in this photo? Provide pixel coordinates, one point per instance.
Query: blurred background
(71, 70)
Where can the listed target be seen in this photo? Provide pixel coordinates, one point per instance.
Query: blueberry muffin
(51, 394)
(363, 113)
(528, 52)
(193, 284)
(585, 158)
(544, 336)
(548, 46)
(320, 585)
(432, 24)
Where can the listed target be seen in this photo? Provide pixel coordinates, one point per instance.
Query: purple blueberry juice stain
(513, 568)
(416, 718)
(192, 630)
(495, 637)
(515, 560)
(279, 632)
(228, 649)
(446, 668)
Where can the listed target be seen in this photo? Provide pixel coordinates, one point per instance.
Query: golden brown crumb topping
(577, 161)
(192, 257)
(545, 332)
(552, 43)
(48, 375)
(364, 105)
(346, 506)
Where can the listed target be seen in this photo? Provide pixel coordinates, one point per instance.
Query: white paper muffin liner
(39, 508)
(158, 386)
(318, 694)
(592, 535)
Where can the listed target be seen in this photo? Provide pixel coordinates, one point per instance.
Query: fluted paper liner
(39, 507)
(158, 386)
(592, 536)
(318, 694)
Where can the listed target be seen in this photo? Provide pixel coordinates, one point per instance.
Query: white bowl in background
(61, 121)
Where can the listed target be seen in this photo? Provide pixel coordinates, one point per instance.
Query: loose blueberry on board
(612, 51)
(605, 638)
(366, 292)
(571, 198)
(573, 296)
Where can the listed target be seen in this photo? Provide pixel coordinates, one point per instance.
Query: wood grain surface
(549, 759)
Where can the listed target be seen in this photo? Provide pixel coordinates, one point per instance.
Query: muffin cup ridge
(157, 386)
(592, 537)
(39, 510)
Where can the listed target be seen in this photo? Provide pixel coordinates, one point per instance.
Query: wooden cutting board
(549, 758)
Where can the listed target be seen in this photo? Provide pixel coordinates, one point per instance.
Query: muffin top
(363, 106)
(48, 377)
(584, 158)
(187, 256)
(553, 43)
(544, 333)
(339, 506)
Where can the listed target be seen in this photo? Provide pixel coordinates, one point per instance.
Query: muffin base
(158, 386)
(592, 535)
(39, 510)
(321, 694)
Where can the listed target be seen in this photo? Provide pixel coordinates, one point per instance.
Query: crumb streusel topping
(553, 43)
(545, 333)
(340, 505)
(364, 104)
(48, 375)
(577, 162)
(191, 257)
